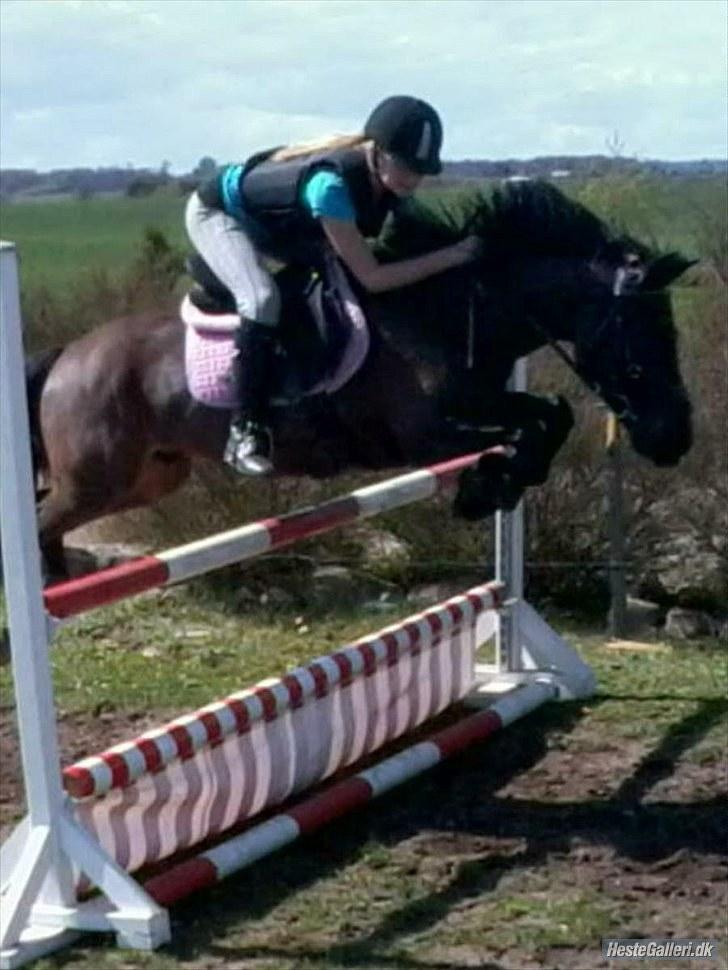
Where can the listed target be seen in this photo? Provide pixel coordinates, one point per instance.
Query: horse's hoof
(472, 508)
(487, 489)
(510, 495)
(476, 497)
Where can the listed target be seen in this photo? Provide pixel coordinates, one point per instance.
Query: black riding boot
(249, 446)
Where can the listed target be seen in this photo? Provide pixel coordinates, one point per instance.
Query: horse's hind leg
(75, 497)
(60, 510)
(69, 504)
(54, 563)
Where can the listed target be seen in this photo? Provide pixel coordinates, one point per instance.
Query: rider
(288, 203)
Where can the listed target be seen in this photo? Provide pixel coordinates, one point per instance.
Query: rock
(333, 585)
(277, 598)
(384, 603)
(640, 615)
(683, 624)
(687, 537)
(99, 555)
(381, 546)
(688, 571)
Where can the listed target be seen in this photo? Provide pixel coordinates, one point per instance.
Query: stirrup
(248, 449)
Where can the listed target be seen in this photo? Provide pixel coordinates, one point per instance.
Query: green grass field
(62, 239)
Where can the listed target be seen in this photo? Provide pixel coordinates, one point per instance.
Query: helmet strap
(375, 154)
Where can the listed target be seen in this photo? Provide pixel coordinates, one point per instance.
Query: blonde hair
(331, 143)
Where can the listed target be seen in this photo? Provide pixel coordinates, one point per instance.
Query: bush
(158, 266)
(139, 188)
(52, 318)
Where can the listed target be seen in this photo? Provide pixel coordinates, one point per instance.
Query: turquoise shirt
(230, 190)
(325, 195)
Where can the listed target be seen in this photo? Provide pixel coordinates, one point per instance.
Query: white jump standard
(145, 800)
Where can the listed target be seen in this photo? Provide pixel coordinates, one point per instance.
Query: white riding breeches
(230, 253)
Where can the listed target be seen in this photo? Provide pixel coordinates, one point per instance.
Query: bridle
(626, 280)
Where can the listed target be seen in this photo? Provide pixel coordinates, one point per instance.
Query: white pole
(509, 563)
(21, 568)
(41, 871)
(38, 889)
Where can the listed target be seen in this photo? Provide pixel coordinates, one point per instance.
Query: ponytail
(332, 143)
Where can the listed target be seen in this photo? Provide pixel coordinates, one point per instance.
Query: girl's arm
(352, 248)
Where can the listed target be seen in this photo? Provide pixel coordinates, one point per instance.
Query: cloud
(179, 79)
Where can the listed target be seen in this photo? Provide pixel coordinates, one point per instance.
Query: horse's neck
(551, 290)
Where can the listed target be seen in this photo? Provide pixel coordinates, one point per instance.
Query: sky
(141, 82)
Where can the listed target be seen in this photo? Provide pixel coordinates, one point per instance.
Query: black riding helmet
(410, 130)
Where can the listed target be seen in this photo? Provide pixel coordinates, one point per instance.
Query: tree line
(137, 182)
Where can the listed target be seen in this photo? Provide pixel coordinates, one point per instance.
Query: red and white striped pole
(106, 586)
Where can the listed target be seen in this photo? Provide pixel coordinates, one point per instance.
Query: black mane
(515, 220)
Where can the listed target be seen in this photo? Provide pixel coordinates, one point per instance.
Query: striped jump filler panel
(189, 781)
(180, 739)
(338, 799)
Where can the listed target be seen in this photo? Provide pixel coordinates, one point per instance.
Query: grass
(666, 213)
(59, 240)
(175, 649)
(370, 891)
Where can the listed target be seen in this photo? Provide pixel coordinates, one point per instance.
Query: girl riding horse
(291, 203)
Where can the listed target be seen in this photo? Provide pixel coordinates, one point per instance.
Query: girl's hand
(469, 248)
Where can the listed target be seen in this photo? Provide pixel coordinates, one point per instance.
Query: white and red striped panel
(118, 582)
(196, 777)
(308, 816)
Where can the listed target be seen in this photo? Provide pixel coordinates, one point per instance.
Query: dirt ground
(554, 815)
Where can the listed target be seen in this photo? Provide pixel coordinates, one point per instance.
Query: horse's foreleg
(539, 437)
(533, 430)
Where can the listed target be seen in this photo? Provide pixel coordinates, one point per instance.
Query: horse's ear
(665, 270)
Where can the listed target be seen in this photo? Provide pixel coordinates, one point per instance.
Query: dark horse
(115, 427)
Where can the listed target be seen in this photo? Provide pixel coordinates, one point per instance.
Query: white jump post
(509, 565)
(38, 907)
(406, 674)
(524, 641)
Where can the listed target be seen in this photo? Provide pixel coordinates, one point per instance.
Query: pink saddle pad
(209, 349)
(208, 357)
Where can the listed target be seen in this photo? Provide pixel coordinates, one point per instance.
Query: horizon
(153, 81)
(446, 161)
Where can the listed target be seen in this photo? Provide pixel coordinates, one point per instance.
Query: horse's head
(628, 352)
(538, 268)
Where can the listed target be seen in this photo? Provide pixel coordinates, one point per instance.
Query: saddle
(322, 340)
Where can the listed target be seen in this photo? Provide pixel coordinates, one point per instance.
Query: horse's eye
(634, 372)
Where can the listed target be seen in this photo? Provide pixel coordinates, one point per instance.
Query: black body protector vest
(270, 193)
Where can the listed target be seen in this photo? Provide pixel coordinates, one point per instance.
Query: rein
(621, 278)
